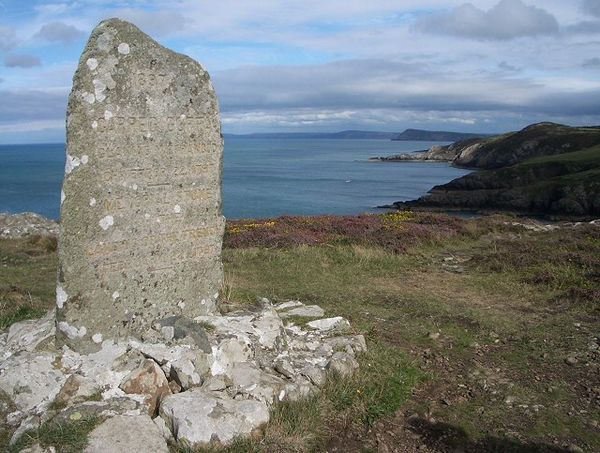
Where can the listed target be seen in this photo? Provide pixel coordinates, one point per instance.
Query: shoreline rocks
(436, 153)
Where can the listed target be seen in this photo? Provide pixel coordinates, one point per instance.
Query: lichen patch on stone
(92, 202)
(106, 222)
(103, 42)
(88, 97)
(71, 331)
(61, 297)
(99, 87)
(92, 63)
(71, 163)
(124, 48)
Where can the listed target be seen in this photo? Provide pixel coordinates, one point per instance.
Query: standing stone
(141, 223)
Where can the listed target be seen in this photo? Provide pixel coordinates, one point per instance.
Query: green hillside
(542, 169)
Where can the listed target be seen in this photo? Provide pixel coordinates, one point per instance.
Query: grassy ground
(482, 336)
(27, 278)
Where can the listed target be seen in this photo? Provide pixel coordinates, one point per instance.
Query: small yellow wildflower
(395, 219)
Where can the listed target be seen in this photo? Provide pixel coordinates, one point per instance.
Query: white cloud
(354, 84)
(584, 27)
(59, 32)
(8, 38)
(507, 20)
(592, 7)
(156, 23)
(52, 8)
(337, 64)
(28, 126)
(592, 63)
(24, 106)
(21, 61)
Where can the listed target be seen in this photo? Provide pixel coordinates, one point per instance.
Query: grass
(27, 278)
(578, 167)
(459, 316)
(19, 313)
(555, 168)
(585, 158)
(68, 437)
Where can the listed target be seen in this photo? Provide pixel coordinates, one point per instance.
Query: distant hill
(535, 140)
(434, 136)
(350, 134)
(407, 135)
(545, 168)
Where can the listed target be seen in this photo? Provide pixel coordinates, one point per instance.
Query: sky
(327, 65)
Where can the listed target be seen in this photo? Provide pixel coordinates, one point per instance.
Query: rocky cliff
(541, 139)
(545, 168)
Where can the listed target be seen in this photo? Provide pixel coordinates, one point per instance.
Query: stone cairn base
(207, 380)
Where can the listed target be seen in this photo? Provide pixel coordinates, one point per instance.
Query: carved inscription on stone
(141, 223)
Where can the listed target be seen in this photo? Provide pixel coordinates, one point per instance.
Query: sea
(262, 177)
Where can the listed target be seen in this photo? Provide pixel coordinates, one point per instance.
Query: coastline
(544, 170)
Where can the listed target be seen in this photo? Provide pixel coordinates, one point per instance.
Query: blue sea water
(262, 177)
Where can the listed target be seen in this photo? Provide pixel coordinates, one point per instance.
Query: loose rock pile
(205, 380)
(25, 224)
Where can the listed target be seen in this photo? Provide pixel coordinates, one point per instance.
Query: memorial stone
(141, 223)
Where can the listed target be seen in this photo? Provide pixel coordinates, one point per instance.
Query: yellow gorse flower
(249, 226)
(395, 219)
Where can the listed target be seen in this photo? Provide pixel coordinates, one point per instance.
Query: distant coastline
(350, 134)
(412, 135)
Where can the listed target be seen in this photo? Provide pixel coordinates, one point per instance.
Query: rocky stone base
(207, 380)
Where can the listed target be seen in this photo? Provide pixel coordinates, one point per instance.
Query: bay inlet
(263, 177)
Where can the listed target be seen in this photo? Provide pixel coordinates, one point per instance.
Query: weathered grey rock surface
(202, 417)
(294, 308)
(127, 434)
(141, 223)
(31, 380)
